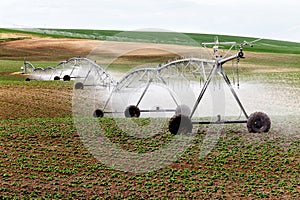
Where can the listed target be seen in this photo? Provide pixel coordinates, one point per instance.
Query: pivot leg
(205, 86)
(233, 92)
(144, 92)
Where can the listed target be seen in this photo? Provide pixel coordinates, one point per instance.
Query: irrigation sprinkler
(78, 69)
(145, 77)
(35, 73)
(163, 76)
(66, 70)
(91, 74)
(256, 122)
(27, 68)
(196, 69)
(200, 70)
(81, 70)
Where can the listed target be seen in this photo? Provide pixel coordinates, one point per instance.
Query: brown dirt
(46, 49)
(50, 49)
(27, 100)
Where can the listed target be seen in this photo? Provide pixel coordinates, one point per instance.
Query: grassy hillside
(265, 45)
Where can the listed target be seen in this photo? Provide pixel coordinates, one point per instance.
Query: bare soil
(50, 49)
(28, 100)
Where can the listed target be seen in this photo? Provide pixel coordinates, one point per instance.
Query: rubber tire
(56, 78)
(183, 110)
(27, 79)
(241, 54)
(79, 86)
(98, 113)
(180, 124)
(132, 111)
(258, 122)
(67, 78)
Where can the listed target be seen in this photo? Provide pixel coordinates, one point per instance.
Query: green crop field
(44, 155)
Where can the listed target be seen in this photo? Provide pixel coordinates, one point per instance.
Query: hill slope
(264, 45)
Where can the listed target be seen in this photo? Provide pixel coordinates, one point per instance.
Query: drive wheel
(258, 122)
(78, 86)
(132, 111)
(98, 113)
(67, 78)
(180, 124)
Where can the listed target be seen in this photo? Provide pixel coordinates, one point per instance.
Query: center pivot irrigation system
(202, 70)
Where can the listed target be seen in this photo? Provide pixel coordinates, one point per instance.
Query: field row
(47, 158)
